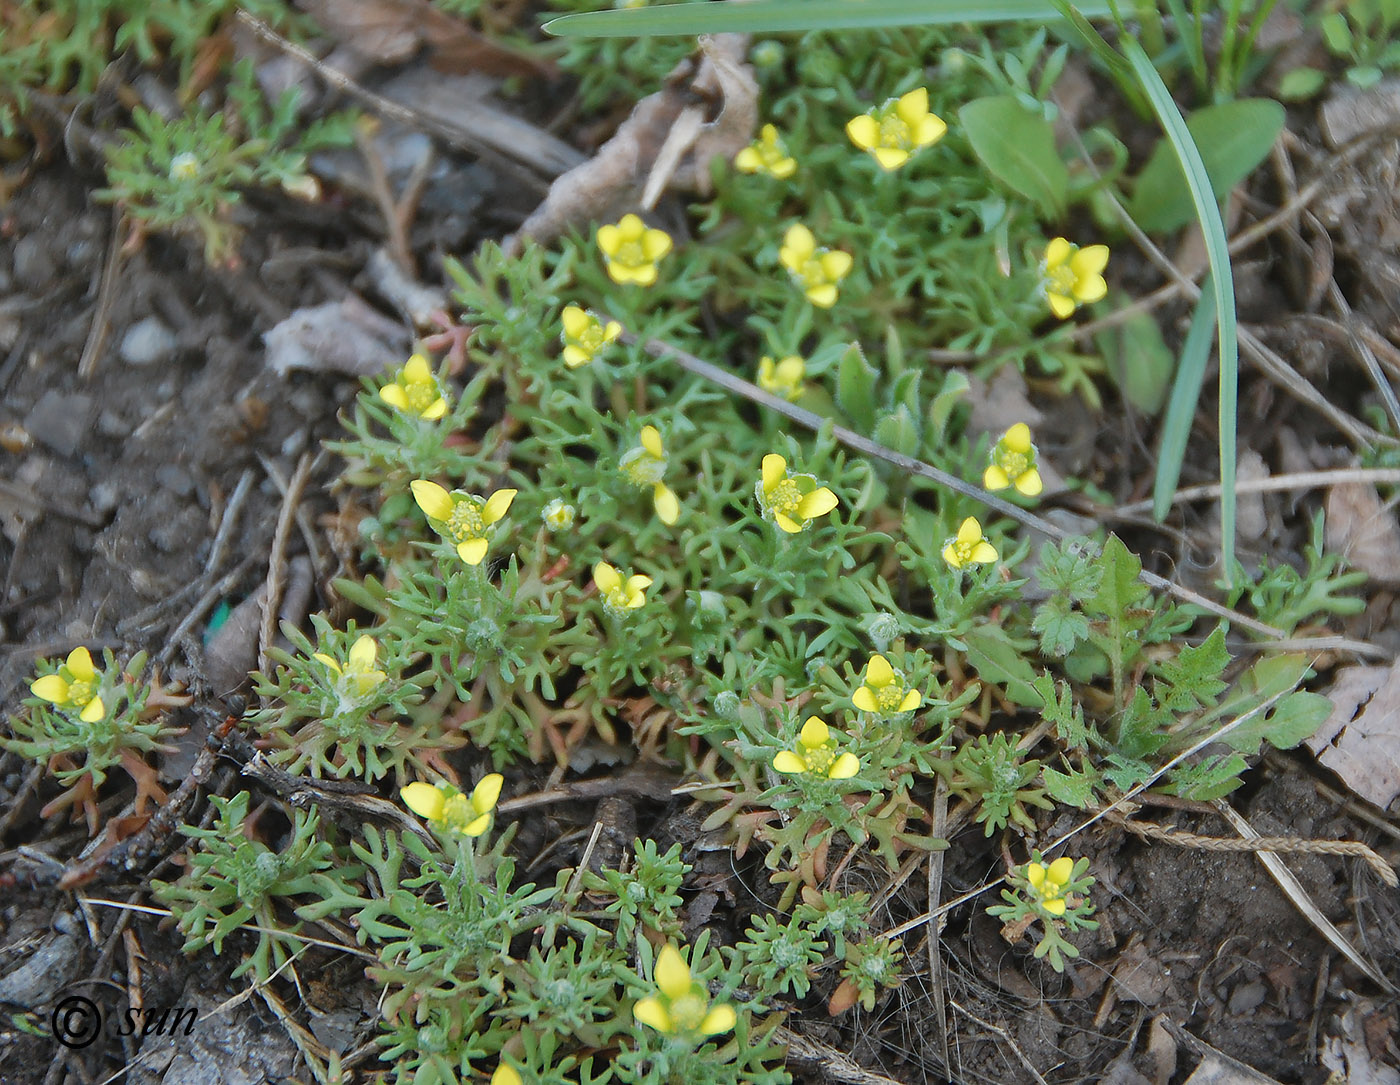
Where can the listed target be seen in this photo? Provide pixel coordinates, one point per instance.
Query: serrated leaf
(1077, 789)
(1119, 590)
(855, 389)
(1057, 707)
(1142, 727)
(1294, 719)
(1061, 627)
(1125, 773)
(1233, 138)
(1018, 149)
(1213, 778)
(1192, 680)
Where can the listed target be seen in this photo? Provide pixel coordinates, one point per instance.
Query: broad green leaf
(855, 389)
(1140, 363)
(1233, 138)
(773, 16)
(899, 430)
(940, 407)
(1293, 719)
(1119, 589)
(1301, 84)
(997, 660)
(1018, 149)
(1075, 788)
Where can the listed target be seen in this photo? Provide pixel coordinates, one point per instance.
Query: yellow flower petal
(656, 244)
(1090, 289)
(984, 552)
(644, 275)
(787, 761)
(51, 688)
(1030, 483)
(864, 131)
(436, 410)
(611, 331)
(1060, 305)
(1060, 870)
(485, 794)
(417, 370)
(606, 577)
(505, 1075)
(637, 582)
(970, 531)
(609, 238)
(817, 503)
(631, 227)
(1018, 438)
(576, 321)
(844, 767)
(321, 657)
(890, 158)
(823, 297)
(79, 664)
(672, 974)
(787, 523)
(1090, 260)
(747, 161)
(911, 701)
(720, 1019)
(865, 700)
(575, 356)
(815, 733)
(1035, 874)
(497, 505)
(929, 130)
(1057, 252)
(798, 245)
(994, 478)
(1054, 907)
(94, 711)
(435, 502)
(651, 441)
(784, 168)
(774, 470)
(950, 555)
(668, 509)
(912, 106)
(425, 800)
(476, 826)
(472, 551)
(363, 653)
(649, 1011)
(878, 672)
(837, 264)
(393, 395)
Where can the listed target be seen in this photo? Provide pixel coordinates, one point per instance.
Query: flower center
(80, 693)
(466, 522)
(963, 550)
(631, 254)
(591, 338)
(616, 599)
(1060, 280)
(812, 273)
(642, 468)
(1015, 464)
(688, 1011)
(819, 758)
(784, 497)
(457, 812)
(888, 698)
(894, 133)
(421, 395)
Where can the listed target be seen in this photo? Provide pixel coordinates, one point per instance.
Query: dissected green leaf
(1192, 679)
(996, 659)
(1293, 719)
(1077, 788)
(1018, 148)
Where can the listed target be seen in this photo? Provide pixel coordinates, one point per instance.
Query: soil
(117, 482)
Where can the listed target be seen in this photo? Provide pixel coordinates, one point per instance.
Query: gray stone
(44, 974)
(147, 342)
(175, 479)
(35, 266)
(60, 420)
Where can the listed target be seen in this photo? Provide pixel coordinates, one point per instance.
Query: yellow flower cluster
(891, 133)
(632, 250)
(1013, 463)
(767, 154)
(791, 501)
(884, 691)
(461, 518)
(415, 390)
(816, 753)
(77, 685)
(620, 596)
(585, 335)
(447, 808)
(1071, 276)
(969, 547)
(360, 675)
(782, 378)
(1048, 883)
(816, 269)
(644, 466)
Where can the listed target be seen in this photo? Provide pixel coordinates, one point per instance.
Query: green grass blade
(1176, 425)
(773, 16)
(1221, 280)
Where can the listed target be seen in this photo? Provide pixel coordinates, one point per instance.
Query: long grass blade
(1221, 280)
(773, 16)
(1181, 409)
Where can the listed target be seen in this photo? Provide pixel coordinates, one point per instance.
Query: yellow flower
(970, 547)
(461, 518)
(817, 270)
(1013, 463)
(76, 685)
(767, 154)
(557, 516)
(585, 335)
(618, 596)
(1071, 276)
(783, 378)
(449, 809)
(415, 390)
(1048, 883)
(894, 131)
(644, 466)
(791, 501)
(681, 1005)
(505, 1075)
(884, 690)
(816, 752)
(631, 250)
(359, 676)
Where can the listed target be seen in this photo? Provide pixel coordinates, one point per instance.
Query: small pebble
(175, 479)
(111, 424)
(105, 496)
(147, 342)
(34, 264)
(60, 420)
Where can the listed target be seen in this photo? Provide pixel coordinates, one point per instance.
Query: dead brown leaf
(1364, 531)
(1360, 741)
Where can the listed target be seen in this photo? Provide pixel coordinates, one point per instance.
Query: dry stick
(277, 561)
(1363, 351)
(1302, 480)
(935, 890)
(1281, 844)
(1006, 1036)
(728, 381)
(101, 322)
(47, 504)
